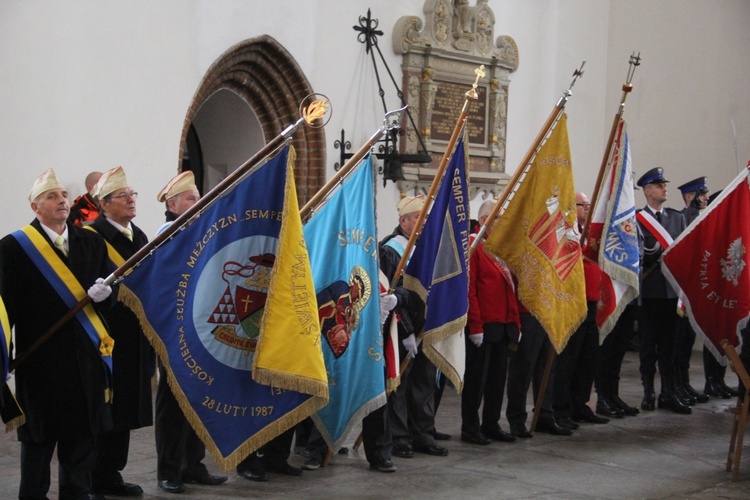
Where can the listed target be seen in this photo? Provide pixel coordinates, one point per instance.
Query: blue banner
(202, 298)
(342, 243)
(438, 270)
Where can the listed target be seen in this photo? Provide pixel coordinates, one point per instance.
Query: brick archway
(269, 80)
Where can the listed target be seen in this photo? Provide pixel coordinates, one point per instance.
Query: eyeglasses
(587, 205)
(123, 196)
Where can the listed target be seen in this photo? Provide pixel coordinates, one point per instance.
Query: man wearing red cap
(62, 386)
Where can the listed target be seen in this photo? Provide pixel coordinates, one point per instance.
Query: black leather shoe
(384, 466)
(499, 435)
(729, 390)
(440, 436)
(699, 398)
(520, 431)
(586, 415)
(475, 438)
(254, 475)
(171, 486)
(713, 388)
(684, 397)
(402, 451)
(672, 402)
(567, 423)
(95, 496)
(628, 410)
(207, 479)
(283, 468)
(608, 408)
(122, 489)
(432, 449)
(649, 402)
(552, 427)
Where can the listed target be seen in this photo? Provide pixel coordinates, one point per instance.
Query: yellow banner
(537, 237)
(289, 354)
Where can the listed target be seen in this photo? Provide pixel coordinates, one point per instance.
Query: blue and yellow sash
(5, 334)
(67, 287)
(113, 254)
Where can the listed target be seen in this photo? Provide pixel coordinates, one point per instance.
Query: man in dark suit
(179, 450)
(658, 318)
(134, 361)
(61, 386)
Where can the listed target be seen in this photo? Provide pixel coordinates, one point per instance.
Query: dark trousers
(111, 458)
(527, 365)
(411, 408)
(684, 348)
(275, 452)
(657, 326)
(178, 448)
(376, 436)
(484, 380)
(76, 459)
(612, 351)
(575, 367)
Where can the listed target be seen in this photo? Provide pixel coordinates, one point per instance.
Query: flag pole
(523, 167)
(471, 95)
(311, 115)
(391, 121)
(627, 87)
(511, 188)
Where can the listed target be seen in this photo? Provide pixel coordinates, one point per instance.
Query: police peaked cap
(656, 174)
(698, 184)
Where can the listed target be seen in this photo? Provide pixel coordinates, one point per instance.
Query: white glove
(387, 303)
(99, 291)
(410, 343)
(477, 338)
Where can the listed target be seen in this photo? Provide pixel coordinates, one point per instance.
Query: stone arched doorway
(267, 78)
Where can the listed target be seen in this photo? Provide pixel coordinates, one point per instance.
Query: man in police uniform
(179, 451)
(133, 360)
(695, 196)
(62, 386)
(658, 318)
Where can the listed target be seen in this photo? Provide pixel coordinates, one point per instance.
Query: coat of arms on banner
(242, 302)
(556, 239)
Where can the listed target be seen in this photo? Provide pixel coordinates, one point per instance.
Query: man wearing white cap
(133, 360)
(411, 408)
(61, 387)
(179, 451)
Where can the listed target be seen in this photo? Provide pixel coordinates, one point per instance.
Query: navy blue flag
(342, 242)
(205, 300)
(438, 271)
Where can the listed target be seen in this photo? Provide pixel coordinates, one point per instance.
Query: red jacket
(492, 299)
(593, 276)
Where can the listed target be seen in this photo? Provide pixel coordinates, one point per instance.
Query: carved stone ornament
(440, 56)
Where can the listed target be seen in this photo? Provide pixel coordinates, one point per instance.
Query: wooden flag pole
(523, 167)
(312, 115)
(471, 95)
(627, 87)
(510, 188)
